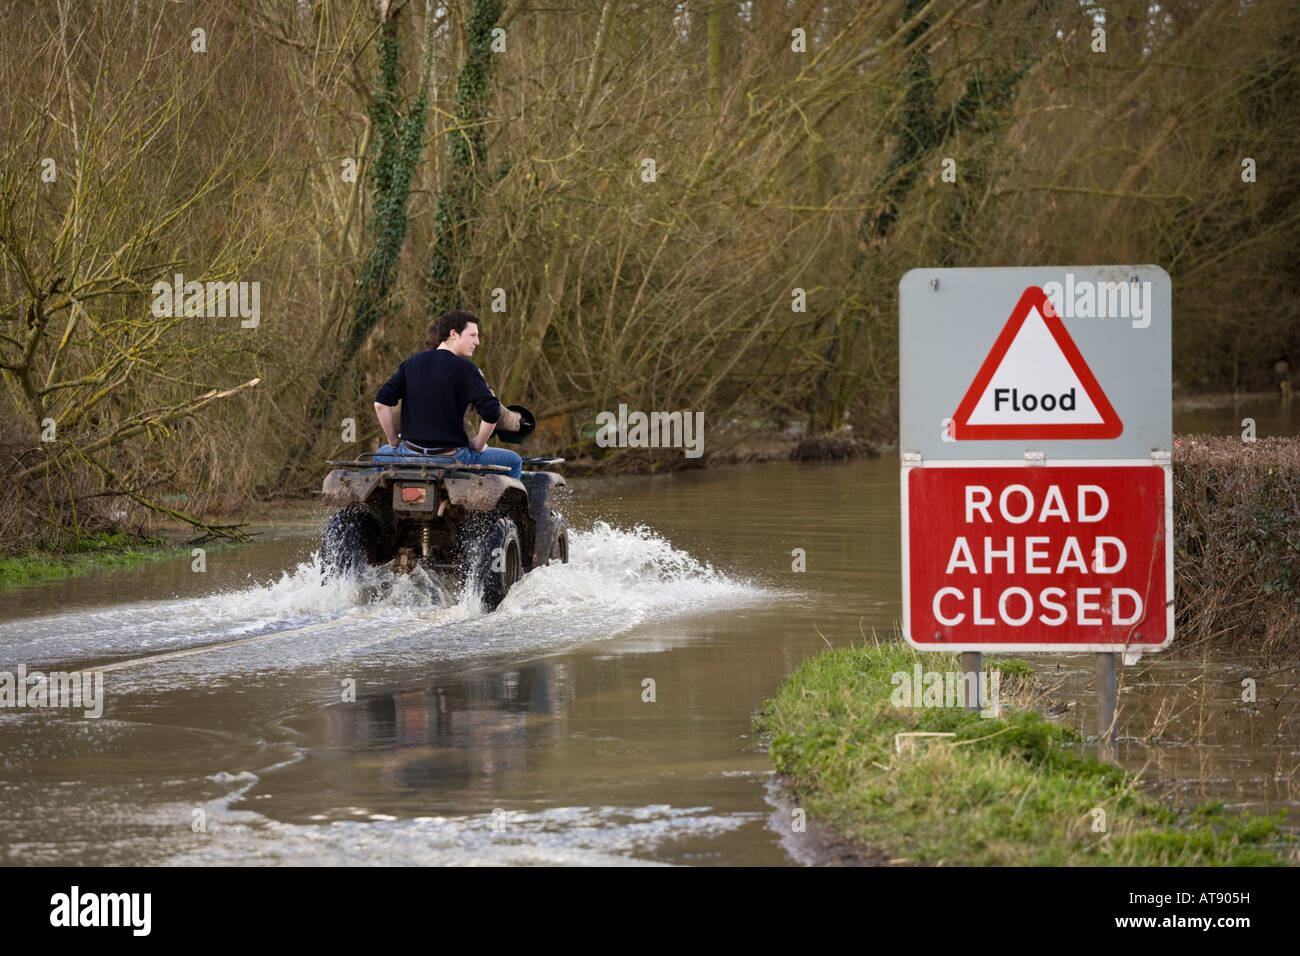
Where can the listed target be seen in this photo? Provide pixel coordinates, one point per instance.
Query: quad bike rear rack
(419, 468)
(436, 464)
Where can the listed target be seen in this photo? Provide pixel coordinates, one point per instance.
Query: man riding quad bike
(432, 496)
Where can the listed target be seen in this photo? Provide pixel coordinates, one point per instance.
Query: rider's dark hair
(448, 322)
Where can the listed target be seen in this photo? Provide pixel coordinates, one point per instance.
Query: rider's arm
(479, 441)
(489, 408)
(481, 397)
(390, 393)
(509, 420)
(385, 413)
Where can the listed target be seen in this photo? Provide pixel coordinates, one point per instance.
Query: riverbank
(751, 449)
(104, 551)
(1016, 789)
(738, 443)
(97, 552)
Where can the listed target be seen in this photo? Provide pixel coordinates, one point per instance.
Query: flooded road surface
(525, 736)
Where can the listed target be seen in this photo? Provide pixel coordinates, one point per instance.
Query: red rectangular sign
(1072, 558)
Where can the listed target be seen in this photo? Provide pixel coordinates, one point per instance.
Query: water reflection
(461, 735)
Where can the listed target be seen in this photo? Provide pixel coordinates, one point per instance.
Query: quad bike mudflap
(472, 521)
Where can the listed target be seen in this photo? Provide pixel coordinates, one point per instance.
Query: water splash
(616, 578)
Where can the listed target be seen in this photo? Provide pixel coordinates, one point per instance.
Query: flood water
(524, 736)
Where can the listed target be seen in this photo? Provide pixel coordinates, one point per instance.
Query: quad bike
(471, 520)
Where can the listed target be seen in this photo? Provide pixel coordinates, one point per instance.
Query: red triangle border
(1109, 427)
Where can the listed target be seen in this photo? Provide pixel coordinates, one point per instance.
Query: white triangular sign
(1034, 384)
(1034, 372)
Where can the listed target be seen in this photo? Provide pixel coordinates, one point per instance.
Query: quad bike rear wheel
(496, 563)
(353, 539)
(560, 542)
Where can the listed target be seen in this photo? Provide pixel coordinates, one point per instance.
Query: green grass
(96, 552)
(1015, 789)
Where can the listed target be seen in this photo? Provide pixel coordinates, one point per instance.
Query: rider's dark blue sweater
(435, 387)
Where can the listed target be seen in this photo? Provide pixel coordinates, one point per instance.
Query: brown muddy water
(523, 737)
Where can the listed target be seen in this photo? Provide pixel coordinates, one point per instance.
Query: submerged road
(281, 719)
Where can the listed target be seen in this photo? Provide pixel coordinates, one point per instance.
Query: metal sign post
(1107, 696)
(972, 662)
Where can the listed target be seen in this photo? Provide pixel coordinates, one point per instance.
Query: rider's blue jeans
(464, 455)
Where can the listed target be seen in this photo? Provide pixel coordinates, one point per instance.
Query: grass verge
(97, 552)
(1009, 790)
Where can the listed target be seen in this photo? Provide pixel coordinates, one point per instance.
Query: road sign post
(972, 662)
(1035, 436)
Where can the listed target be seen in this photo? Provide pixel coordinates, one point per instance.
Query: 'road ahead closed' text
(1036, 554)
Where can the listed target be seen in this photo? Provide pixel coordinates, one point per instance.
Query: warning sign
(1034, 443)
(1037, 558)
(1035, 384)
